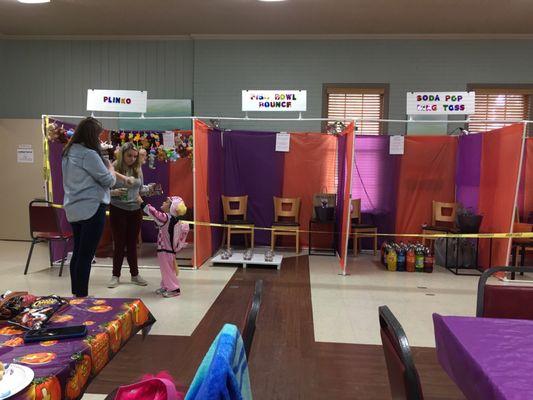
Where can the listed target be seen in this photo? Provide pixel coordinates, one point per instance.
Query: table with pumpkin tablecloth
(64, 368)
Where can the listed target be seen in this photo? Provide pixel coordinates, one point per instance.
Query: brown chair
(404, 381)
(45, 226)
(442, 220)
(286, 220)
(505, 300)
(518, 244)
(235, 210)
(359, 230)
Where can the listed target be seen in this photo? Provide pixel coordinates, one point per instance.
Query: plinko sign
(424, 103)
(117, 100)
(274, 100)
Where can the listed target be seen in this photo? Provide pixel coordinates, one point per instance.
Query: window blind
(352, 103)
(503, 105)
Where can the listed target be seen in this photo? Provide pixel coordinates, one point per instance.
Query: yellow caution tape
(510, 235)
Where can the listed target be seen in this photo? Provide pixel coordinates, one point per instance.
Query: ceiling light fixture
(33, 1)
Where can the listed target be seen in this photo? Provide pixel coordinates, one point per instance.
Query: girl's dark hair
(87, 133)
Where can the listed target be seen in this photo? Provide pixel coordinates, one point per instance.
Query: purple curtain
(158, 175)
(468, 171)
(56, 175)
(215, 178)
(341, 175)
(374, 181)
(252, 167)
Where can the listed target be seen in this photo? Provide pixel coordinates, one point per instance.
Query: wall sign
(117, 100)
(25, 153)
(429, 103)
(397, 144)
(283, 141)
(274, 100)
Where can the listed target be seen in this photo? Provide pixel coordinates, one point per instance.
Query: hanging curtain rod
(293, 119)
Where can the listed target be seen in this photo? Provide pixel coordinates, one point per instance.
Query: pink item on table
(150, 387)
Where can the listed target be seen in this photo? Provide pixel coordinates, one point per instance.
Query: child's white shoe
(171, 293)
(137, 280)
(114, 282)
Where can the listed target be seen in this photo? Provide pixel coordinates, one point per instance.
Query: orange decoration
(47, 388)
(48, 343)
(15, 342)
(9, 330)
(99, 351)
(37, 358)
(140, 313)
(100, 309)
(88, 323)
(75, 302)
(61, 318)
(79, 376)
(99, 302)
(127, 326)
(114, 330)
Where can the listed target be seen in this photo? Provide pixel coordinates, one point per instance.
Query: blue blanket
(223, 373)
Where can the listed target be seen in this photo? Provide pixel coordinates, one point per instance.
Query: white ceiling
(251, 17)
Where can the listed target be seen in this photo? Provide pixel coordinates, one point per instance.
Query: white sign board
(117, 100)
(168, 140)
(397, 145)
(274, 100)
(433, 103)
(25, 153)
(283, 141)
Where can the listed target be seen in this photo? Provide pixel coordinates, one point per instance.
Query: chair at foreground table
(506, 300)
(403, 377)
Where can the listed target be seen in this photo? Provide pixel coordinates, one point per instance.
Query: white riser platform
(257, 259)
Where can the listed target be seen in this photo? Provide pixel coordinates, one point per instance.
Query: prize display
(410, 257)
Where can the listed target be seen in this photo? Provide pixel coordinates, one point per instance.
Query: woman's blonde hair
(120, 165)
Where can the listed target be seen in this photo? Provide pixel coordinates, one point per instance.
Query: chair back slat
(235, 207)
(286, 208)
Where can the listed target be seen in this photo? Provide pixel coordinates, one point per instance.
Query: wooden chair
(516, 242)
(286, 220)
(359, 230)
(404, 381)
(235, 211)
(442, 220)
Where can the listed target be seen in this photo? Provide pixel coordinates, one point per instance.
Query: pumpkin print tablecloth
(63, 369)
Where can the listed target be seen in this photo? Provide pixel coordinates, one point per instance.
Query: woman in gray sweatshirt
(87, 178)
(125, 214)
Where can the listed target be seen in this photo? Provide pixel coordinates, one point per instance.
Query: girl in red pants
(170, 239)
(125, 215)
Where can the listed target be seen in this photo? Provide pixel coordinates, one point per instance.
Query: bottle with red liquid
(410, 259)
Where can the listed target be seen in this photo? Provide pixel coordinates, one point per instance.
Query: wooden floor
(286, 362)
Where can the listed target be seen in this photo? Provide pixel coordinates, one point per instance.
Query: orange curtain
(309, 169)
(181, 181)
(345, 224)
(202, 239)
(528, 180)
(427, 173)
(500, 159)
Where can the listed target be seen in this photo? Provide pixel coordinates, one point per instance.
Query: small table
(519, 245)
(64, 368)
(487, 358)
(332, 251)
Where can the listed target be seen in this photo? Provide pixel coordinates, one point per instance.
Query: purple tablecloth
(63, 369)
(487, 358)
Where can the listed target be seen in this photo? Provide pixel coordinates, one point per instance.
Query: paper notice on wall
(25, 153)
(396, 144)
(168, 140)
(283, 141)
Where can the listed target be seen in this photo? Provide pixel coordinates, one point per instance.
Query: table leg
(514, 250)
(309, 239)
(522, 257)
(445, 253)
(490, 252)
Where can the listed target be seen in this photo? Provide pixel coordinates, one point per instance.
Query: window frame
(357, 88)
(505, 88)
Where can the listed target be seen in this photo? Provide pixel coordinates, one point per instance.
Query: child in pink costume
(170, 239)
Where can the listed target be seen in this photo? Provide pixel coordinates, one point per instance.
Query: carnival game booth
(172, 169)
(473, 175)
(244, 167)
(209, 163)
